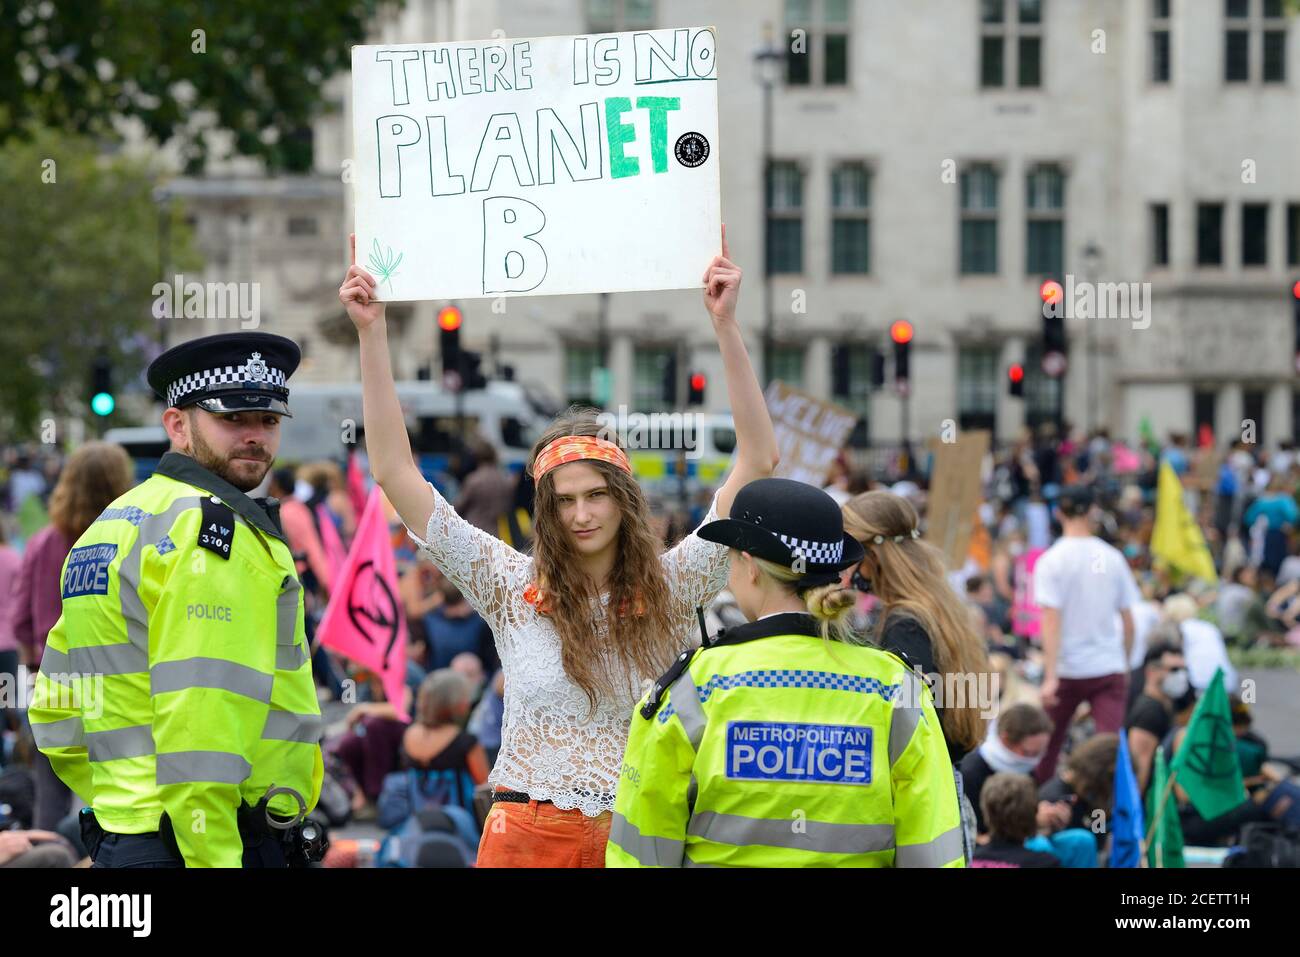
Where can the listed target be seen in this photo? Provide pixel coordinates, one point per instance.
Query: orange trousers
(538, 834)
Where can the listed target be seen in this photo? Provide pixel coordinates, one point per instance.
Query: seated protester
(485, 721)
(455, 627)
(1086, 785)
(1234, 603)
(1010, 807)
(369, 749)
(1167, 694)
(1203, 646)
(1252, 750)
(1224, 829)
(441, 763)
(1013, 748)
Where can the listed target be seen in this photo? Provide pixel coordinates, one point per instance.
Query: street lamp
(162, 198)
(768, 62)
(1091, 268)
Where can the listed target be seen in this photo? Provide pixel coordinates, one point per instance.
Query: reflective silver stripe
(948, 846)
(122, 658)
(68, 733)
(289, 657)
(905, 717)
(650, 851)
(803, 835)
(54, 663)
(132, 742)
(128, 572)
(286, 612)
(685, 698)
(289, 726)
(210, 673)
(182, 767)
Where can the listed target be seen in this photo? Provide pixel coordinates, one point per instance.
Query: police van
(327, 417)
(670, 458)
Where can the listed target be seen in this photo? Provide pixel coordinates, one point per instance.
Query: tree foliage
(253, 67)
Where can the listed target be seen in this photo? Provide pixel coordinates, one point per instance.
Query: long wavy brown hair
(911, 579)
(94, 475)
(639, 641)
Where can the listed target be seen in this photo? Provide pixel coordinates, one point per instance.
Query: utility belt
(301, 841)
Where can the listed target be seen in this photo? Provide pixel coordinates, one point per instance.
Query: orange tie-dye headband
(575, 448)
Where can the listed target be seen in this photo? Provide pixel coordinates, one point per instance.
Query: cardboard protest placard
(536, 167)
(954, 499)
(809, 432)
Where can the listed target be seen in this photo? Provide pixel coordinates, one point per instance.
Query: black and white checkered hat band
(821, 553)
(231, 376)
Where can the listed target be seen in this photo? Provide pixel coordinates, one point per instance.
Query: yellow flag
(1176, 539)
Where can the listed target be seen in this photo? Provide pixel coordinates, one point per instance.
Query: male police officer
(176, 692)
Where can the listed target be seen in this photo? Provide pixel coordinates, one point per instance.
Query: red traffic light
(1051, 291)
(449, 318)
(1016, 373)
(901, 332)
(1295, 290)
(698, 381)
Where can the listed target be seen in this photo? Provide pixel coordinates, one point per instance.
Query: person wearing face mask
(1015, 747)
(789, 714)
(1167, 693)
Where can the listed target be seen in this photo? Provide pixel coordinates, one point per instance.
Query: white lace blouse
(552, 747)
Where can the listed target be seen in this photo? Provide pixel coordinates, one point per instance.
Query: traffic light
(1016, 380)
(449, 319)
(698, 384)
(901, 333)
(471, 375)
(669, 388)
(1295, 312)
(877, 369)
(1055, 344)
(840, 360)
(102, 401)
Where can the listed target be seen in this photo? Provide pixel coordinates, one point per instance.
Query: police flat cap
(782, 520)
(231, 372)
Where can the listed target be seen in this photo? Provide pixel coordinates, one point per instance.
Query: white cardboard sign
(541, 166)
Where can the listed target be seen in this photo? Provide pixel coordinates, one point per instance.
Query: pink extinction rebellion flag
(1026, 616)
(364, 620)
(335, 553)
(356, 484)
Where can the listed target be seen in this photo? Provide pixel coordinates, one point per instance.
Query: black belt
(517, 797)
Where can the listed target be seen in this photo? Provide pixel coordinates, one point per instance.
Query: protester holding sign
(593, 612)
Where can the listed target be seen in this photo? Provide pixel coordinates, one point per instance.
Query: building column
(621, 368)
(1278, 426)
(1227, 413)
(817, 367)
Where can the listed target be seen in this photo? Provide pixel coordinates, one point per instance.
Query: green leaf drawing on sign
(383, 263)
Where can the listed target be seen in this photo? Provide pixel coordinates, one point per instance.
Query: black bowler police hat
(231, 372)
(781, 520)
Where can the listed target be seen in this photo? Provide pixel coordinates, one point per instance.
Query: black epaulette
(665, 682)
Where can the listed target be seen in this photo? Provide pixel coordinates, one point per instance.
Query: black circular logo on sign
(692, 149)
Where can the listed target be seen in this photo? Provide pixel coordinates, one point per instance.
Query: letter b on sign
(513, 261)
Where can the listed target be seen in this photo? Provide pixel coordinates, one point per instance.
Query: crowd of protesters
(1089, 635)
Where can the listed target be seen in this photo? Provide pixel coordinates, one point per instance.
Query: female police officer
(785, 741)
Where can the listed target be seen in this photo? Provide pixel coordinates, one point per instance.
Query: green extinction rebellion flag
(1166, 848)
(1206, 764)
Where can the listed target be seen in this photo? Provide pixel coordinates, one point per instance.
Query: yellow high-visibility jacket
(773, 747)
(178, 677)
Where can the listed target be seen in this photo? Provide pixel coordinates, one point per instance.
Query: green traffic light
(103, 404)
